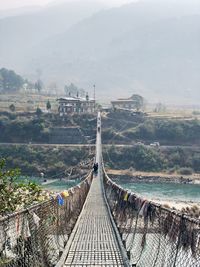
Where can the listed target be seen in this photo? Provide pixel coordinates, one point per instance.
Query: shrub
(172, 170)
(196, 162)
(185, 171)
(12, 107)
(38, 112)
(196, 112)
(14, 194)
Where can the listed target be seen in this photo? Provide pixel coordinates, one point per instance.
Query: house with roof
(72, 104)
(125, 103)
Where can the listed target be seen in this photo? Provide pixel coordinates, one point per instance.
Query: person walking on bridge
(95, 167)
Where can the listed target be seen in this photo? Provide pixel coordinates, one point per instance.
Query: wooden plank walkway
(94, 242)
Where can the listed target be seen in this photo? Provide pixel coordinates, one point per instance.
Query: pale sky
(7, 4)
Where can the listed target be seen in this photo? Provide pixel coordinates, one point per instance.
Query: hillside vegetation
(142, 158)
(120, 127)
(36, 127)
(52, 161)
(117, 128)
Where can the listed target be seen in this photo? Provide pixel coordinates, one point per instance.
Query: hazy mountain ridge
(21, 33)
(146, 48)
(5, 13)
(156, 59)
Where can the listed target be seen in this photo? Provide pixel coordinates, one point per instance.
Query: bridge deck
(94, 242)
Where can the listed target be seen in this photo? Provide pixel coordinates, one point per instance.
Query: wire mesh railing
(153, 236)
(36, 237)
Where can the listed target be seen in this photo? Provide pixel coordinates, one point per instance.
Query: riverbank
(156, 177)
(175, 204)
(172, 191)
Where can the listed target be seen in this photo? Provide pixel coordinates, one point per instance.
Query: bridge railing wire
(36, 237)
(153, 236)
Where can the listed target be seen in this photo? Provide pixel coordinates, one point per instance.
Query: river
(162, 191)
(165, 191)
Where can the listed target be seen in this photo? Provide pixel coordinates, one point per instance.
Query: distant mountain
(139, 48)
(18, 11)
(149, 47)
(20, 33)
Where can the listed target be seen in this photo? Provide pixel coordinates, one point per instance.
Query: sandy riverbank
(177, 204)
(194, 178)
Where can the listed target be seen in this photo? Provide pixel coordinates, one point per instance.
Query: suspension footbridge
(93, 241)
(98, 223)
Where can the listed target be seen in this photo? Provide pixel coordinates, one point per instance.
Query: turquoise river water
(171, 191)
(163, 191)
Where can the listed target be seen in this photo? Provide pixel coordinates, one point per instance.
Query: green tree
(146, 130)
(39, 85)
(147, 159)
(160, 108)
(53, 88)
(15, 194)
(196, 162)
(1, 83)
(10, 81)
(12, 107)
(139, 102)
(48, 105)
(73, 90)
(38, 112)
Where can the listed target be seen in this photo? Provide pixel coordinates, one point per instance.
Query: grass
(176, 113)
(26, 102)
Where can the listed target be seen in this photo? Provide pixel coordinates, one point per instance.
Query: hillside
(29, 29)
(157, 57)
(122, 128)
(148, 47)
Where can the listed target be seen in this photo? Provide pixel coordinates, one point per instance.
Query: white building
(69, 105)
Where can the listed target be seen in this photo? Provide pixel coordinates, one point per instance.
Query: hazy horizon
(14, 4)
(149, 47)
